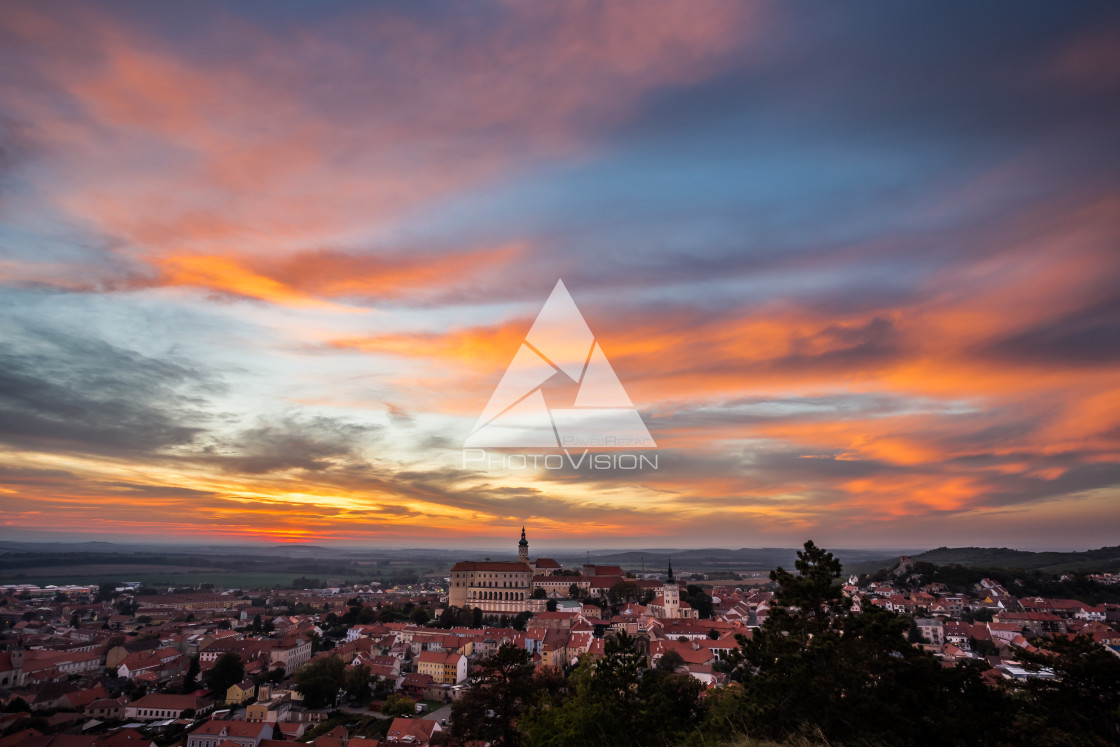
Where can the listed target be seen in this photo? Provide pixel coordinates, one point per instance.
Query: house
(125, 738)
(117, 654)
(702, 672)
(416, 684)
(954, 652)
(550, 643)
(41, 665)
(558, 620)
(1100, 633)
(163, 662)
(1003, 633)
(385, 666)
(722, 647)
(1035, 623)
(444, 668)
(363, 631)
(932, 630)
(11, 668)
(106, 708)
(291, 730)
(157, 706)
(240, 733)
(415, 732)
(1091, 613)
(35, 738)
(241, 692)
(79, 699)
(273, 711)
(690, 652)
(957, 632)
(291, 654)
(560, 586)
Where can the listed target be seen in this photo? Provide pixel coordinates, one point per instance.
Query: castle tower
(672, 594)
(523, 548)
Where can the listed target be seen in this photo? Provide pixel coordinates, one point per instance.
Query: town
(373, 664)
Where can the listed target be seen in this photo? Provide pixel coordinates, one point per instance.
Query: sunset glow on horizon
(263, 264)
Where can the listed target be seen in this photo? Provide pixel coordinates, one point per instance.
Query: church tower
(523, 548)
(672, 594)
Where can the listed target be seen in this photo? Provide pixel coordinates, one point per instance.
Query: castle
(499, 587)
(506, 587)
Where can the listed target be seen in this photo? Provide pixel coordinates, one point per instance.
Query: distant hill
(1102, 559)
(743, 559)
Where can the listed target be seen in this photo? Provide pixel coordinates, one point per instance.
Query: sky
(262, 265)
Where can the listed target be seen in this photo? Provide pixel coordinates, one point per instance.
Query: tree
(1081, 704)
(226, 672)
(670, 660)
(700, 600)
(522, 619)
(420, 616)
(17, 705)
(399, 705)
(983, 647)
(319, 681)
(574, 591)
(487, 712)
(476, 617)
(390, 614)
(539, 593)
(127, 607)
(135, 690)
(616, 701)
(382, 687)
(550, 605)
(190, 681)
(356, 682)
(814, 667)
(448, 617)
(914, 634)
(106, 590)
(625, 591)
(810, 591)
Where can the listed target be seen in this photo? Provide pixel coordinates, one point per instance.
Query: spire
(669, 579)
(523, 548)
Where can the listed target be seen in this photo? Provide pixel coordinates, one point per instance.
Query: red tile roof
(505, 567)
(419, 729)
(231, 728)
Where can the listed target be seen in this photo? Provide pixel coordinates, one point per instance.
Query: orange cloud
(478, 347)
(305, 278)
(246, 152)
